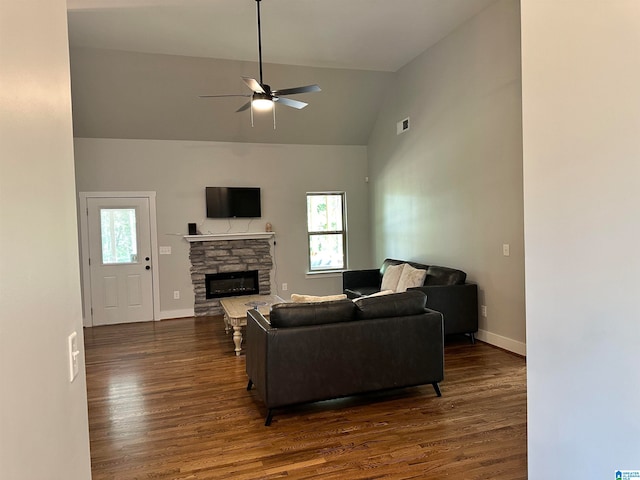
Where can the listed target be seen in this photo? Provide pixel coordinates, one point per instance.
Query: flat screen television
(233, 202)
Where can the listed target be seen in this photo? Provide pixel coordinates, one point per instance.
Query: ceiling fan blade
(220, 96)
(293, 91)
(244, 107)
(253, 84)
(290, 103)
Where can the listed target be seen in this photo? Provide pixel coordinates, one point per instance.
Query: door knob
(146, 258)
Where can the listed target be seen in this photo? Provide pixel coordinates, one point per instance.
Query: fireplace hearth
(232, 284)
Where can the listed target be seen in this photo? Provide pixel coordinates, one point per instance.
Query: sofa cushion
(297, 298)
(391, 277)
(361, 291)
(411, 302)
(303, 314)
(411, 277)
(444, 276)
(371, 293)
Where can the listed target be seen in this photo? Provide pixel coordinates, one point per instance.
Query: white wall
(179, 171)
(43, 417)
(581, 121)
(449, 191)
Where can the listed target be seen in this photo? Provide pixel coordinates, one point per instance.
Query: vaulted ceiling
(355, 34)
(138, 66)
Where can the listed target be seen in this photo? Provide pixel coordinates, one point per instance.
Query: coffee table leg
(237, 338)
(226, 323)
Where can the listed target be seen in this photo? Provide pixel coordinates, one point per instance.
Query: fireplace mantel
(228, 236)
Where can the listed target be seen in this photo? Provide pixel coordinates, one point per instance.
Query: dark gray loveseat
(320, 351)
(446, 289)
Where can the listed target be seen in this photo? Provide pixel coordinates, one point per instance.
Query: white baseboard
(185, 312)
(503, 342)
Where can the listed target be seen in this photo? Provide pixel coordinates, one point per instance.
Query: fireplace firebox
(231, 284)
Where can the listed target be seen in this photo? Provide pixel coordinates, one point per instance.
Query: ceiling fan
(263, 98)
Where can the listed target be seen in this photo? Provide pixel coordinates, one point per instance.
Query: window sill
(324, 274)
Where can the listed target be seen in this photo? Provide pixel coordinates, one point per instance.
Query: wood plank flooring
(168, 400)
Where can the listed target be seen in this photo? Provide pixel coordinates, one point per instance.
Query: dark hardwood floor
(168, 400)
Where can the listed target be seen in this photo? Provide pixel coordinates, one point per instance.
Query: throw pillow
(411, 277)
(391, 277)
(297, 298)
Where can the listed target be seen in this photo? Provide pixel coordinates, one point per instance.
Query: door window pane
(118, 233)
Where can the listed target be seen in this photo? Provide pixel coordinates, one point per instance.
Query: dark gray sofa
(319, 351)
(446, 289)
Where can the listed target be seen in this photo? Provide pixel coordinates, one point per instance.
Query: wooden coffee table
(235, 312)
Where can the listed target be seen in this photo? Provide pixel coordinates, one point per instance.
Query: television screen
(233, 202)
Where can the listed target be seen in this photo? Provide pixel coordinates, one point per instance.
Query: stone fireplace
(232, 259)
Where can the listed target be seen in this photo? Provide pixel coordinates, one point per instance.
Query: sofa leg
(473, 338)
(267, 421)
(436, 388)
(249, 385)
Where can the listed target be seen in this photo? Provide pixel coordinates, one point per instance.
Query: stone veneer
(221, 256)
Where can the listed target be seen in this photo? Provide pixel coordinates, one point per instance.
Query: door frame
(85, 272)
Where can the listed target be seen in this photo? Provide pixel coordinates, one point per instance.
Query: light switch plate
(165, 250)
(74, 353)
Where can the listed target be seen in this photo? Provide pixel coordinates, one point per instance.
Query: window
(118, 232)
(326, 231)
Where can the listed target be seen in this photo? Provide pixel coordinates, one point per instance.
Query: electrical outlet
(483, 310)
(285, 287)
(505, 249)
(176, 294)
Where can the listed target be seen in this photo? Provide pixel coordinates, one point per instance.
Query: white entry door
(120, 260)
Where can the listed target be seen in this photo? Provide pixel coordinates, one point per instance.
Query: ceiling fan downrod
(262, 97)
(259, 40)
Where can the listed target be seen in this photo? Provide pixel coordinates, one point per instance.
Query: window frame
(342, 232)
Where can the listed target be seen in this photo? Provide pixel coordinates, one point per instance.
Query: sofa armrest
(457, 303)
(256, 347)
(354, 279)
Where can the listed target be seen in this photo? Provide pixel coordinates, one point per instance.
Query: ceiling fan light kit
(263, 98)
(261, 102)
